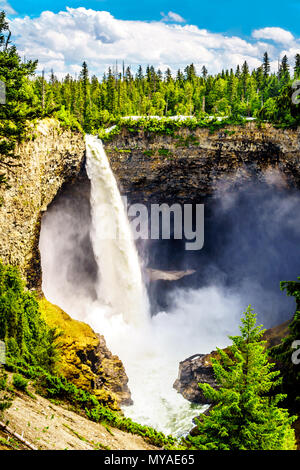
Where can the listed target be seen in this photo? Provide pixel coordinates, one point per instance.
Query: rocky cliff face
(191, 164)
(149, 167)
(51, 157)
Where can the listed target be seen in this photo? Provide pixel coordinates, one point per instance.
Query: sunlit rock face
(85, 359)
(51, 157)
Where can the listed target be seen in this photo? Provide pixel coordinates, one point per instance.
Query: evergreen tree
(168, 75)
(26, 335)
(21, 103)
(84, 76)
(204, 72)
(284, 70)
(190, 72)
(266, 65)
(297, 66)
(244, 416)
(140, 74)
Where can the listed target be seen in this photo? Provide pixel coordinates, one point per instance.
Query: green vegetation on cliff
(26, 335)
(167, 126)
(32, 352)
(84, 359)
(244, 415)
(20, 105)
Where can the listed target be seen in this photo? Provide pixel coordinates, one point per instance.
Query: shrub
(20, 382)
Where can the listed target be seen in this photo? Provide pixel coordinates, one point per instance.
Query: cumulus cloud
(4, 5)
(275, 34)
(171, 16)
(63, 40)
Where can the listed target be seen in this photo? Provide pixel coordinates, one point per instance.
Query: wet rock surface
(193, 370)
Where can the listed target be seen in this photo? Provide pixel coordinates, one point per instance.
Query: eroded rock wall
(191, 164)
(52, 157)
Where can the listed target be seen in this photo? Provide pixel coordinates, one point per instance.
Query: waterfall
(121, 311)
(120, 280)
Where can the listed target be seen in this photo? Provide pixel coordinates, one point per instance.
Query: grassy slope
(51, 426)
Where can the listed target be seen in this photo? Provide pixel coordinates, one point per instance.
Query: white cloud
(62, 41)
(4, 5)
(278, 35)
(171, 16)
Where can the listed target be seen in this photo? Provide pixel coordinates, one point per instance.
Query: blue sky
(233, 16)
(216, 33)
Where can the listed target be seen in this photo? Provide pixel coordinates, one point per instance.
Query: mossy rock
(85, 359)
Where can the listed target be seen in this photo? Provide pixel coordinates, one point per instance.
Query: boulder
(193, 370)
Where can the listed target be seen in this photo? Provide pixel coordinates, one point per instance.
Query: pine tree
(168, 75)
(244, 416)
(204, 72)
(297, 66)
(21, 103)
(26, 335)
(140, 74)
(4, 28)
(284, 72)
(266, 65)
(84, 76)
(190, 72)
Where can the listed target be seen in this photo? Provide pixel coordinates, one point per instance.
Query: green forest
(93, 102)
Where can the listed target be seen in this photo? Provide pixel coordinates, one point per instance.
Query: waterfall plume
(120, 280)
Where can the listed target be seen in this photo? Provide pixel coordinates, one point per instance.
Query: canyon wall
(149, 168)
(51, 157)
(191, 164)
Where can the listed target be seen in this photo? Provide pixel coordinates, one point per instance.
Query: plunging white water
(120, 280)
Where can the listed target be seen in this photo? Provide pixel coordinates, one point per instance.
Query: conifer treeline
(95, 102)
(91, 103)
